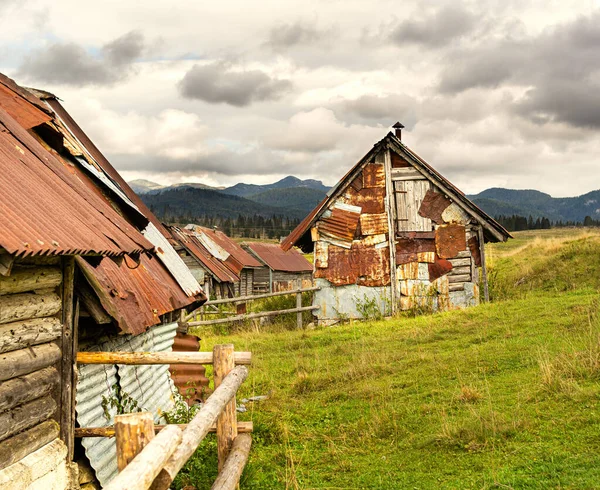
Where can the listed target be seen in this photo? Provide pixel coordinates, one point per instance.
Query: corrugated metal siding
(151, 386)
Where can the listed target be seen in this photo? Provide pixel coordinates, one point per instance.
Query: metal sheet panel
(450, 240)
(340, 222)
(151, 386)
(433, 205)
(278, 260)
(229, 245)
(373, 224)
(20, 109)
(373, 175)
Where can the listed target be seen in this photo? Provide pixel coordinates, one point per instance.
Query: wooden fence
(202, 311)
(146, 461)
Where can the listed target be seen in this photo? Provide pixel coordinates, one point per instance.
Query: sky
(492, 93)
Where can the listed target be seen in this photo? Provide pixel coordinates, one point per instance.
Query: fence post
(299, 305)
(132, 432)
(223, 362)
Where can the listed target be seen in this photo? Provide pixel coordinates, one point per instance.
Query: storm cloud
(217, 83)
(71, 64)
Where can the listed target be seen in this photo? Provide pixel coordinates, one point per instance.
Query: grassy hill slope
(504, 395)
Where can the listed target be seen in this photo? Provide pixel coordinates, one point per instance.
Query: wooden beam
(141, 472)
(6, 263)
(24, 443)
(229, 477)
(18, 391)
(16, 307)
(147, 358)
(27, 415)
(249, 316)
(298, 306)
(67, 424)
(199, 426)
(133, 432)
(391, 219)
(227, 419)
(25, 361)
(21, 334)
(109, 431)
(23, 279)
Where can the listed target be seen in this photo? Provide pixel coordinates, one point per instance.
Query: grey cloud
(297, 33)
(433, 30)
(217, 83)
(383, 109)
(71, 64)
(560, 69)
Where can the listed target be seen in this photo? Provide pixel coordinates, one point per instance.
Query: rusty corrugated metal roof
(135, 297)
(278, 259)
(229, 245)
(218, 268)
(47, 209)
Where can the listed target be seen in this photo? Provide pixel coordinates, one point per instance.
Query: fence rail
(249, 316)
(146, 461)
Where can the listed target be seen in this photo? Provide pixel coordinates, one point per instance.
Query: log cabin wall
(392, 239)
(35, 380)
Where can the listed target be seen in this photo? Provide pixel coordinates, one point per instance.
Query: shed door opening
(409, 195)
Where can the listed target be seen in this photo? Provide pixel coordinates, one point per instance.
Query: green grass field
(504, 395)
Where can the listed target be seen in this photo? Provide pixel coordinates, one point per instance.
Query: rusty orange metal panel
(373, 175)
(190, 380)
(408, 249)
(398, 161)
(342, 268)
(357, 183)
(321, 254)
(341, 224)
(439, 268)
(373, 265)
(278, 259)
(373, 224)
(26, 114)
(475, 250)
(449, 240)
(433, 205)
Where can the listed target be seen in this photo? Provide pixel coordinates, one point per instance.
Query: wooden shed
(284, 271)
(83, 265)
(394, 235)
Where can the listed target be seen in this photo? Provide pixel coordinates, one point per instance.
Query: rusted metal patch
(420, 235)
(439, 268)
(357, 183)
(342, 268)
(373, 224)
(373, 265)
(190, 379)
(341, 222)
(408, 250)
(475, 250)
(374, 239)
(433, 205)
(427, 257)
(408, 271)
(398, 161)
(450, 240)
(321, 254)
(373, 175)
(20, 109)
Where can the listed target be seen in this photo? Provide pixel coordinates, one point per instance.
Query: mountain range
(295, 198)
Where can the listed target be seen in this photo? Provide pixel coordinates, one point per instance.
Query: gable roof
(493, 230)
(279, 260)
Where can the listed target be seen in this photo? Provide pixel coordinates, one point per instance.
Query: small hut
(285, 270)
(393, 235)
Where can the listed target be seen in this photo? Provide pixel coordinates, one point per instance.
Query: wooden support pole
(109, 431)
(234, 466)
(147, 358)
(391, 221)
(67, 424)
(227, 420)
(298, 306)
(484, 277)
(133, 432)
(141, 472)
(199, 426)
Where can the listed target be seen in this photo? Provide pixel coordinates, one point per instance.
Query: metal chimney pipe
(398, 127)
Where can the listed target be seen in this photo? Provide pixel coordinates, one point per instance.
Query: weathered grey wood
(460, 262)
(299, 314)
(17, 447)
(484, 278)
(25, 361)
(23, 389)
(463, 254)
(456, 287)
(133, 432)
(141, 472)
(407, 173)
(249, 316)
(25, 416)
(109, 431)
(392, 220)
(199, 426)
(17, 335)
(92, 304)
(227, 419)
(6, 263)
(460, 270)
(143, 358)
(243, 299)
(15, 307)
(459, 278)
(23, 279)
(234, 466)
(40, 260)
(66, 385)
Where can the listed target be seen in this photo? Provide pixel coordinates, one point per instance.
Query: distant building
(395, 234)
